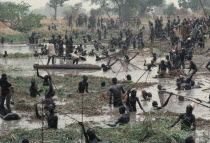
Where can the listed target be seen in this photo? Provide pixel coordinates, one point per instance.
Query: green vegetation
(55, 4)
(64, 90)
(207, 11)
(16, 38)
(96, 12)
(19, 56)
(133, 7)
(194, 5)
(52, 136)
(29, 22)
(18, 17)
(147, 131)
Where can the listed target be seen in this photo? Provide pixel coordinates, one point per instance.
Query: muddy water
(22, 48)
(24, 67)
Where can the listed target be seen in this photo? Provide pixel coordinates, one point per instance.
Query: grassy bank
(17, 56)
(15, 37)
(66, 88)
(147, 131)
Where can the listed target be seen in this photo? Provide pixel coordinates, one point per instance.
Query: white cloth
(74, 56)
(51, 49)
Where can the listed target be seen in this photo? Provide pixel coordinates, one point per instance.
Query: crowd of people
(187, 33)
(83, 20)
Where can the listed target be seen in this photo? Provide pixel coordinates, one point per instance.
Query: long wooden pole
(203, 9)
(82, 116)
(198, 101)
(42, 121)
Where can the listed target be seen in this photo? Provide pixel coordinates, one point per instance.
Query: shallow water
(24, 67)
(21, 48)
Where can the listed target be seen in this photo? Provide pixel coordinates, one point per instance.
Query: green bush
(16, 38)
(17, 16)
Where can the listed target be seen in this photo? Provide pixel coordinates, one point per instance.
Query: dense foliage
(131, 7)
(194, 5)
(18, 17)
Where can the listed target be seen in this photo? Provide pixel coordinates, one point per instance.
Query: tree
(183, 3)
(55, 4)
(18, 16)
(206, 3)
(11, 13)
(143, 6)
(73, 11)
(28, 22)
(125, 7)
(194, 5)
(96, 12)
(118, 4)
(170, 10)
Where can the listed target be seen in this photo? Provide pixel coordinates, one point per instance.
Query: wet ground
(24, 67)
